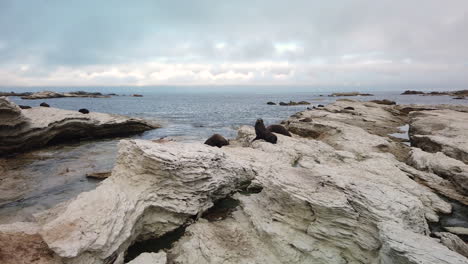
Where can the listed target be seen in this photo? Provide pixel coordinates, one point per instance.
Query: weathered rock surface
(453, 242)
(441, 131)
(154, 188)
(341, 193)
(150, 258)
(50, 94)
(21, 130)
(451, 169)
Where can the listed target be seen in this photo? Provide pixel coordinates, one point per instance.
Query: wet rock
(409, 92)
(283, 103)
(24, 106)
(460, 98)
(84, 111)
(384, 102)
(44, 104)
(271, 103)
(137, 95)
(24, 130)
(320, 105)
(279, 129)
(216, 140)
(99, 175)
(349, 108)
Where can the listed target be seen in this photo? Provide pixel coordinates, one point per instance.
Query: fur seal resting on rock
(279, 129)
(44, 105)
(216, 140)
(263, 133)
(84, 111)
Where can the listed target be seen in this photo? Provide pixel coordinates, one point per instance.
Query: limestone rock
(150, 258)
(50, 94)
(453, 242)
(39, 126)
(442, 165)
(441, 131)
(154, 188)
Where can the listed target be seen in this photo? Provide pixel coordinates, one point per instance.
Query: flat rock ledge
(50, 94)
(25, 129)
(336, 194)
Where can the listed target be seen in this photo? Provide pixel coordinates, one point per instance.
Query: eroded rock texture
(21, 130)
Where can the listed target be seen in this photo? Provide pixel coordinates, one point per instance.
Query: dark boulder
(44, 105)
(84, 111)
(320, 105)
(283, 103)
(279, 129)
(384, 102)
(271, 103)
(412, 92)
(217, 140)
(24, 106)
(349, 108)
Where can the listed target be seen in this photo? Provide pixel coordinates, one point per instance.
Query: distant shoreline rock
(21, 131)
(14, 94)
(460, 94)
(292, 103)
(50, 94)
(350, 94)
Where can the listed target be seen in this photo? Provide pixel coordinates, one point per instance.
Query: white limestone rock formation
(441, 131)
(451, 169)
(22, 130)
(154, 188)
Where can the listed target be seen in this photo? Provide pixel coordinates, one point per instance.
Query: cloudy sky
(417, 43)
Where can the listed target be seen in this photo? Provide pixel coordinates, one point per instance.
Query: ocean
(43, 178)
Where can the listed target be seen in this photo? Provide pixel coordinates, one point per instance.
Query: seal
(84, 111)
(279, 129)
(44, 105)
(263, 133)
(216, 140)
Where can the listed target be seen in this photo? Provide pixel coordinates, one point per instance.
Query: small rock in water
(137, 95)
(217, 140)
(24, 106)
(44, 105)
(84, 111)
(271, 103)
(99, 175)
(384, 102)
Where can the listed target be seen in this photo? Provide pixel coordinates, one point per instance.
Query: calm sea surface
(39, 180)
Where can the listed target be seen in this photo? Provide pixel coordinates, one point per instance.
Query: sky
(361, 43)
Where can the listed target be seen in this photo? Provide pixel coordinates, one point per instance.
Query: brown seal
(279, 129)
(217, 140)
(263, 133)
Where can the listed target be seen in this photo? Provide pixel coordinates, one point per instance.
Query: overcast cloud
(304, 42)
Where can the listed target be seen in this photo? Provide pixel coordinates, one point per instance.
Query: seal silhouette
(279, 129)
(263, 133)
(216, 140)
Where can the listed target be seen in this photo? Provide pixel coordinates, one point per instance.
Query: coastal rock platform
(340, 190)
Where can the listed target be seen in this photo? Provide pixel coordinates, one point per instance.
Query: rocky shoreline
(340, 190)
(25, 129)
